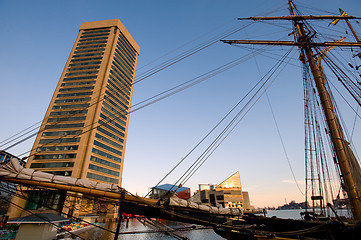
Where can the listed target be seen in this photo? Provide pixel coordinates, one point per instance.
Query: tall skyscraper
(84, 131)
(85, 127)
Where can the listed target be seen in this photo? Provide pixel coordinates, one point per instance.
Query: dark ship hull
(257, 227)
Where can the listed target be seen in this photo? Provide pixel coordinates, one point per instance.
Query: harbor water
(135, 230)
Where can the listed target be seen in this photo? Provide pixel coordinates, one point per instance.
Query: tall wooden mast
(335, 130)
(340, 145)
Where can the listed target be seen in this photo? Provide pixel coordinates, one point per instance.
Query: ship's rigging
(313, 124)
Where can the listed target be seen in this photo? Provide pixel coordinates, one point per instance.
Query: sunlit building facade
(84, 130)
(227, 194)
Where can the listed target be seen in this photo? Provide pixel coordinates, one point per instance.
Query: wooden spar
(353, 31)
(292, 43)
(88, 191)
(336, 133)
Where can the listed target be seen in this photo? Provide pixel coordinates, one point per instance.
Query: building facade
(84, 130)
(227, 194)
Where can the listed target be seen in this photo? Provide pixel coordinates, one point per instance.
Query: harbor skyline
(163, 133)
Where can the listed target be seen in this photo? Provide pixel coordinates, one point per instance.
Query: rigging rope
(225, 134)
(167, 93)
(280, 136)
(205, 155)
(151, 72)
(165, 64)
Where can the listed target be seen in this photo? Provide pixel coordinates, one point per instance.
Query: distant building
(159, 191)
(227, 194)
(294, 205)
(247, 202)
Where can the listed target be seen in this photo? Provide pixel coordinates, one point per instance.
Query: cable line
(234, 62)
(138, 79)
(164, 94)
(225, 134)
(201, 159)
(163, 65)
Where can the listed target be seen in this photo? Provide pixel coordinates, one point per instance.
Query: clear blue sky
(36, 39)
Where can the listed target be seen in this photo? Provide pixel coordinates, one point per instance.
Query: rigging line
(323, 165)
(226, 134)
(341, 75)
(196, 163)
(205, 76)
(20, 141)
(213, 73)
(138, 80)
(280, 136)
(283, 146)
(317, 178)
(318, 111)
(205, 136)
(354, 123)
(336, 110)
(10, 141)
(190, 54)
(356, 112)
(19, 133)
(331, 146)
(219, 123)
(273, 11)
(331, 63)
(100, 99)
(199, 160)
(339, 78)
(270, 55)
(307, 122)
(316, 10)
(325, 126)
(348, 88)
(216, 36)
(180, 47)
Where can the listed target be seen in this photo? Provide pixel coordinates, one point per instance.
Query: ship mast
(336, 132)
(340, 145)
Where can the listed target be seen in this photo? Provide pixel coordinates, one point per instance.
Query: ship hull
(257, 227)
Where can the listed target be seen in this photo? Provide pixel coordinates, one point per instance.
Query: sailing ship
(232, 223)
(311, 55)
